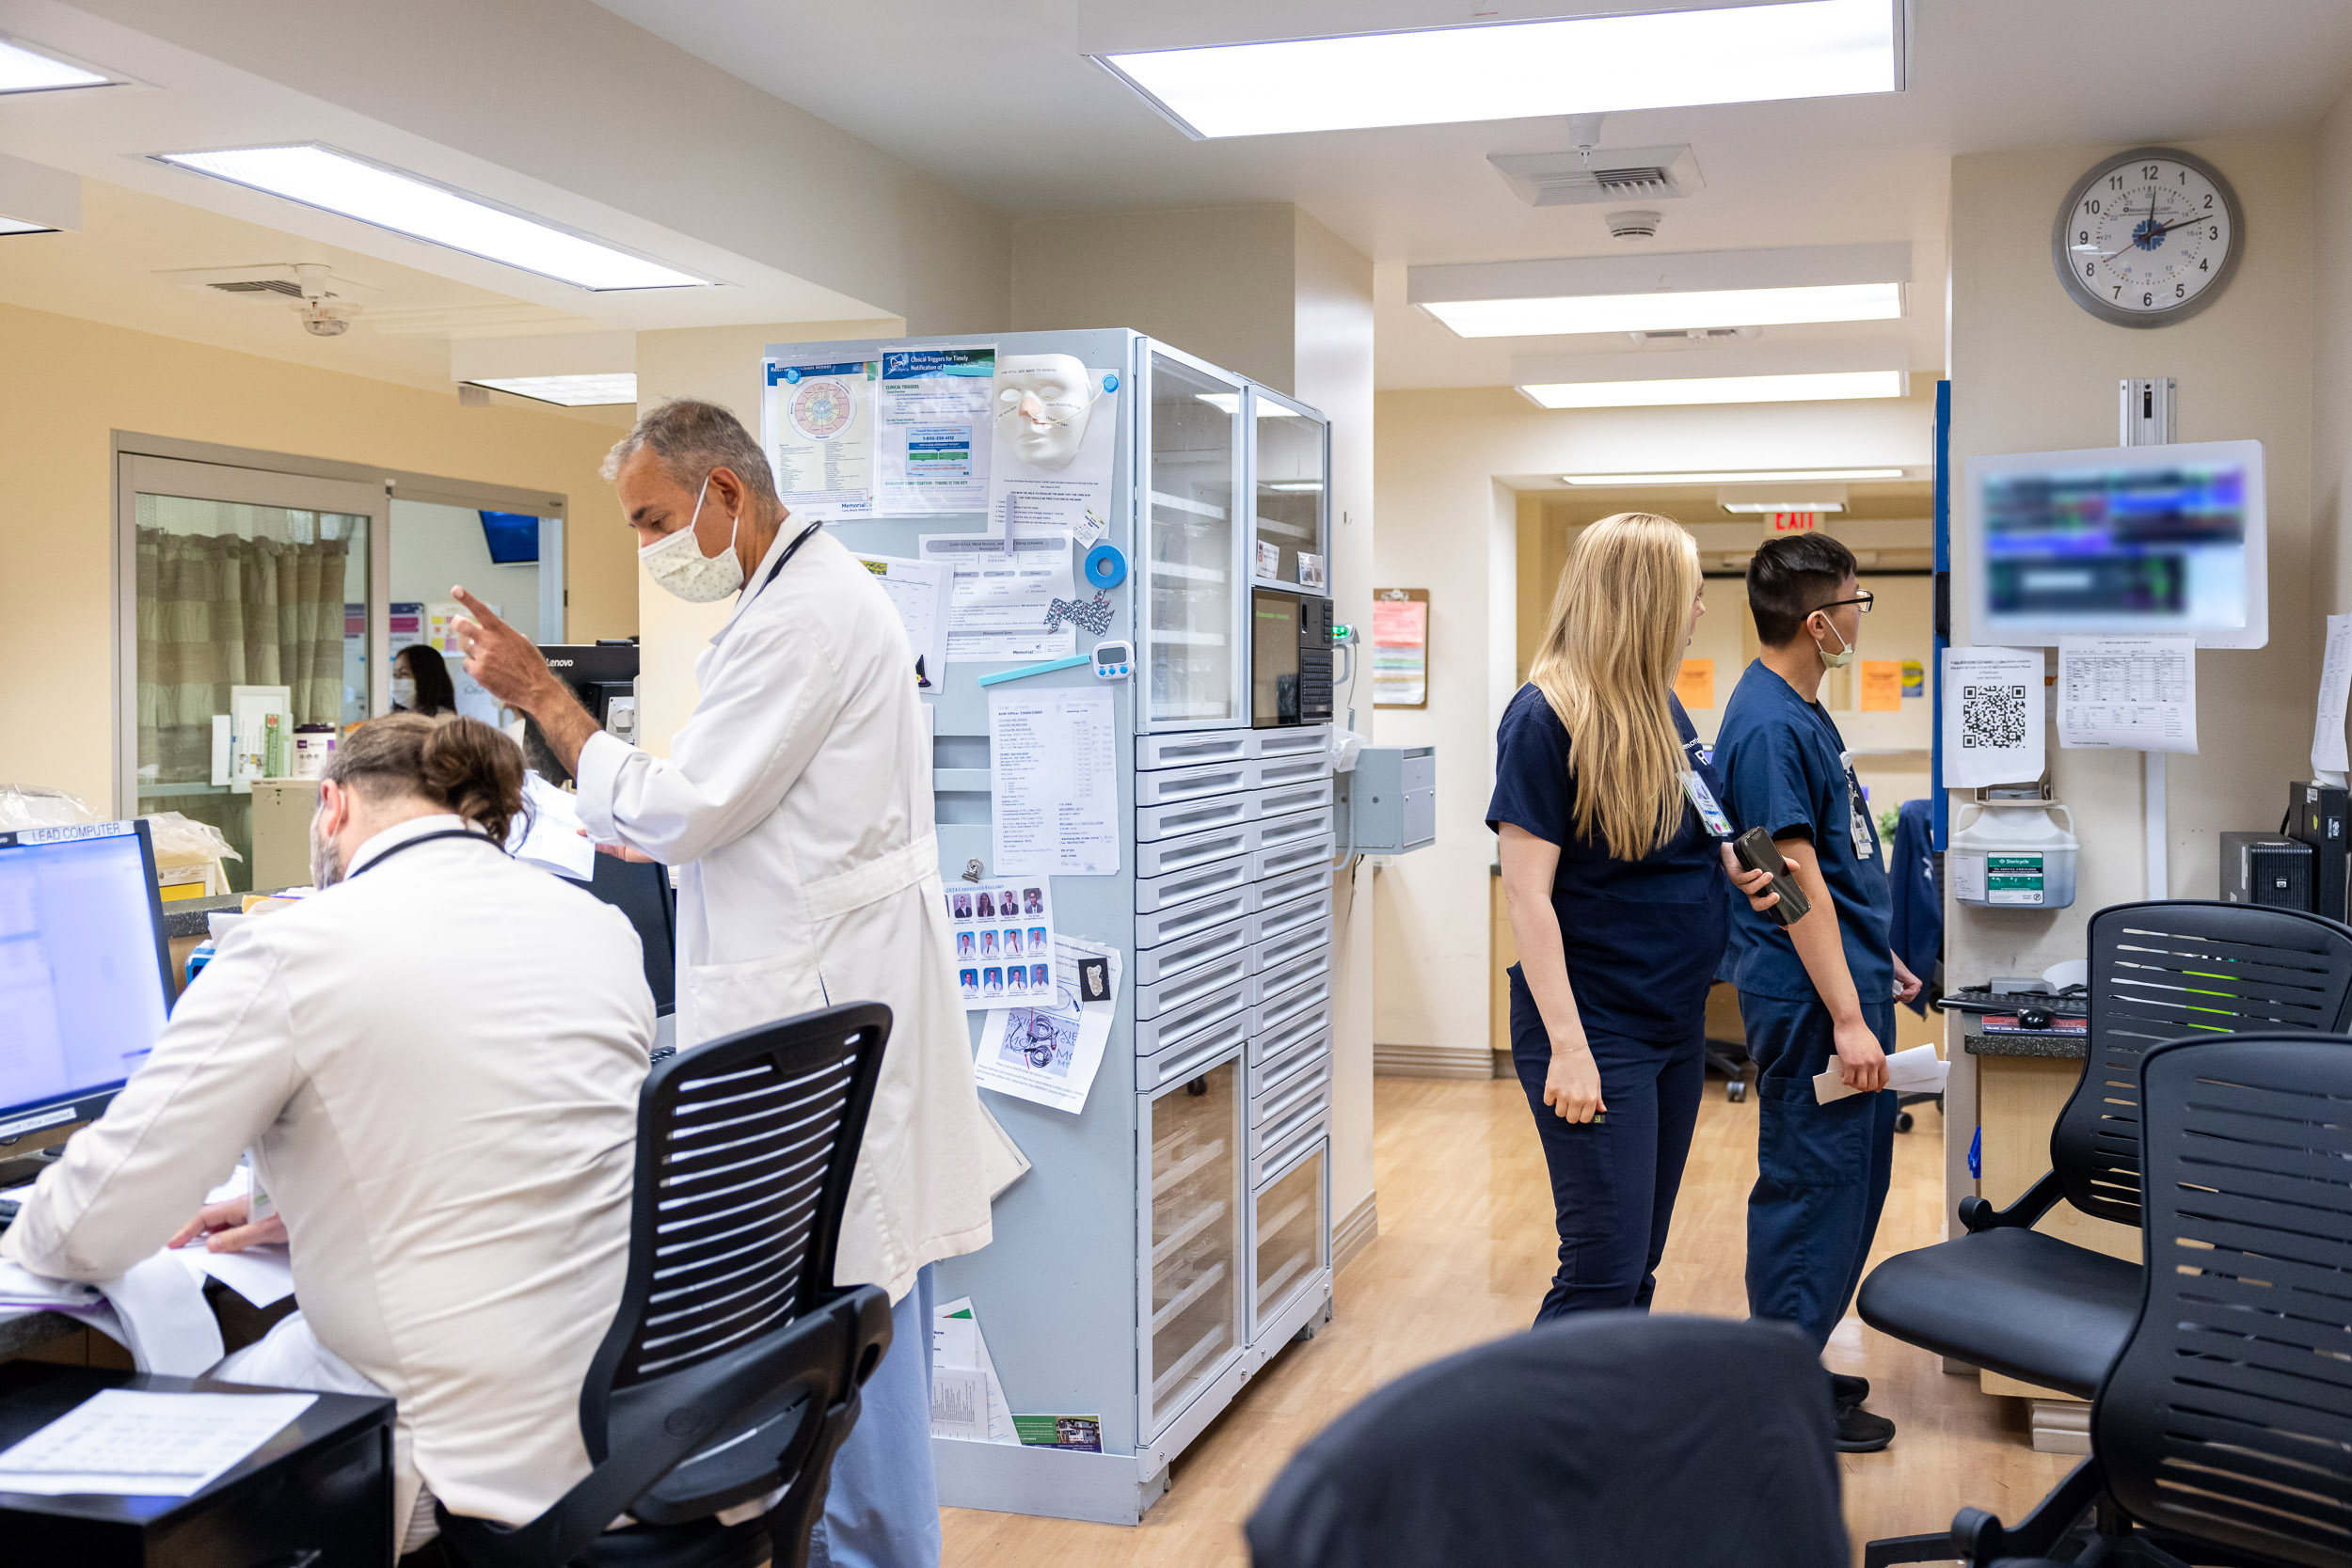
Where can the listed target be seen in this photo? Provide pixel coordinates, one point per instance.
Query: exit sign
(1795, 522)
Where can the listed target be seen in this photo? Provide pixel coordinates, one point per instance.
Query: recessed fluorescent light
(1670, 312)
(1512, 70)
(1294, 485)
(572, 391)
(23, 69)
(1720, 389)
(338, 182)
(1744, 476)
(1761, 507)
(1231, 403)
(18, 226)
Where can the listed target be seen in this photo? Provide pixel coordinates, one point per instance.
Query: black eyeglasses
(1865, 599)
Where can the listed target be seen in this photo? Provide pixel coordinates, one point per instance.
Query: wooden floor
(1463, 1254)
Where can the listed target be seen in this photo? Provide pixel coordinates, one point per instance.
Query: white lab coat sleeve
(764, 713)
(220, 1072)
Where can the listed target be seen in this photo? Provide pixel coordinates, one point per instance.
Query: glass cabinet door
(1194, 1322)
(1288, 1234)
(1193, 599)
(1291, 468)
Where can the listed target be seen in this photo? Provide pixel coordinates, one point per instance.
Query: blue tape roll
(1105, 566)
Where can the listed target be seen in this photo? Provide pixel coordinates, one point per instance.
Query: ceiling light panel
(1674, 292)
(1761, 508)
(1744, 476)
(1720, 389)
(336, 182)
(1507, 71)
(24, 69)
(571, 391)
(1670, 312)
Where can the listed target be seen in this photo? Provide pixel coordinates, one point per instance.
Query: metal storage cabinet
(1170, 1239)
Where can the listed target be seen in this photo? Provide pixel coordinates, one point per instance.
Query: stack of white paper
(967, 1401)
(1917, 1071)
(127, 1442)
(549, 833)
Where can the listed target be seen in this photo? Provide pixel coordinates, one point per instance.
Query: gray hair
(692, 439)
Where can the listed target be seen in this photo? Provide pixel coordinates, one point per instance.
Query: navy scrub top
(1783, 765)
(1642, 937)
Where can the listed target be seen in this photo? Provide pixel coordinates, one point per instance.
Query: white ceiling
(999, 101)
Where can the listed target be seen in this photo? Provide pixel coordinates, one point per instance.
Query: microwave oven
(1290, 658)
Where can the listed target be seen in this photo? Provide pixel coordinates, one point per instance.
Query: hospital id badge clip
(1703, 802)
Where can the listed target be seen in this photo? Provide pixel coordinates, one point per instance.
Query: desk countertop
(2056, 1043)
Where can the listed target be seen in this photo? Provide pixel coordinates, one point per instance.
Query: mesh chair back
(745, 1148)
(2229, 1415)
(2162, 970)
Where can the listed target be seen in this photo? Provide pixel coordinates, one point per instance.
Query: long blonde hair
(1607, 660)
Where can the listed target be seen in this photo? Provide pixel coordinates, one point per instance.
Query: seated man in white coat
(796, 802)
(436, 1061)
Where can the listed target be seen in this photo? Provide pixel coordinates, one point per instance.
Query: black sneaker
(1859, 1432)
(1844, 1390)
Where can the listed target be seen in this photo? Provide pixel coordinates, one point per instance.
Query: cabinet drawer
(1189, 1060)
(1285, 799)
(1293, 884)
(1269, 1040)
(1176, 1026)
(1278, 1010)
(1270, 954)
(1155, 751)
(1304, 854)
(1193, 783)
(1273, 1143)
(1278, 978)
(1173, 921)
(1192, 816)
(1286, 741)
(1170, 959)
(1282, 919)
(1167, 855)
(1309, 1086)
(1156, 892)
(1176, 993)
(1274, 1072)
(1290, 828)
(1276, 772)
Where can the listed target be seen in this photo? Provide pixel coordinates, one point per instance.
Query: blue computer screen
(81, 984)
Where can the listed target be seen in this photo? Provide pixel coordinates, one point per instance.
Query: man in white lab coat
(796, 802)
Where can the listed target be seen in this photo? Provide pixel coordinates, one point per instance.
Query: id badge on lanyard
(1857, 814)
(1703, 802)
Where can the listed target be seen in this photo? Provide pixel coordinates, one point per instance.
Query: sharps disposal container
(2012, 854)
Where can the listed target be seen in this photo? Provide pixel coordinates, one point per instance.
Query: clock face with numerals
(2149, 237)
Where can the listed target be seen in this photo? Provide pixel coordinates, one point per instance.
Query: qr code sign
(1991, 717)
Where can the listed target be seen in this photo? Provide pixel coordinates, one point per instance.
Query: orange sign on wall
(1882, 684)
(1694, 683)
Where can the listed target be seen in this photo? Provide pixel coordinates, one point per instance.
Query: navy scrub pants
(1614, 1180)
(1820, 1170)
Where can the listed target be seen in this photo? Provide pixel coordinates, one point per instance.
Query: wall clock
(2148, 237)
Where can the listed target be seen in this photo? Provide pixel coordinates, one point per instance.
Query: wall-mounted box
(1388, 803)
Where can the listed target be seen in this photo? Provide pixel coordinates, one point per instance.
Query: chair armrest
(2039, 1199)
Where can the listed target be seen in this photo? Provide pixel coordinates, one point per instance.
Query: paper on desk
(1048, 1053)
(1917, 1071)
(2131, 694)
(1053, 768)
(549, 835)
(967, 1401)
(262, 1275)
(132, 1442)
(2335, 681)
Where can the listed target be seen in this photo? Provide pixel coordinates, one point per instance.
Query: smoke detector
(1637, 223)
(327, 318)
(324, 299)
(1581, 176)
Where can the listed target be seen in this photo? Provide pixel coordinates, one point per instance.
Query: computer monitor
(85, 971)
(640, 889)
(603, 676)
(2155, 541)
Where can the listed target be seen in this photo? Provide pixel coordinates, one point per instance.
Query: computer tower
(2318, 814)
(2267, 869)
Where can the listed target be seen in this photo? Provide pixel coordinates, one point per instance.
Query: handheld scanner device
(1757, 852)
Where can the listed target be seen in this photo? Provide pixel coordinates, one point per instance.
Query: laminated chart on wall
(1003, 941)
(933, 429)
(1993, 723)
(1053, 759)
(817, 421)
(2131, 694)
(1001, 593)
(1400, 647)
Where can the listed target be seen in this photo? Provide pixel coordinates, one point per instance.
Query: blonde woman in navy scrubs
(1613, 865)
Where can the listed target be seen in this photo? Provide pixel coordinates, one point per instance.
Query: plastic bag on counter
(39, 806)
(189, 853)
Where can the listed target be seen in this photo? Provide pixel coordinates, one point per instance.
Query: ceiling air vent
(1609, 174)
(259, 285)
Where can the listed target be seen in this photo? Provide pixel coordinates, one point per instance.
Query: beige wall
(2033, 372)
(1452, 525)
(67, 384)
(2331, 411)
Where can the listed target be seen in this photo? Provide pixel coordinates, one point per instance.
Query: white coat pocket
(721, 999)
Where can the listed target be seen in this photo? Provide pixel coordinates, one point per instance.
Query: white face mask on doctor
(676, 560)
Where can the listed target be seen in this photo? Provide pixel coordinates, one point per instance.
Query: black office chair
(1603, 1440)
(2223, 1434)
(733, 1366)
